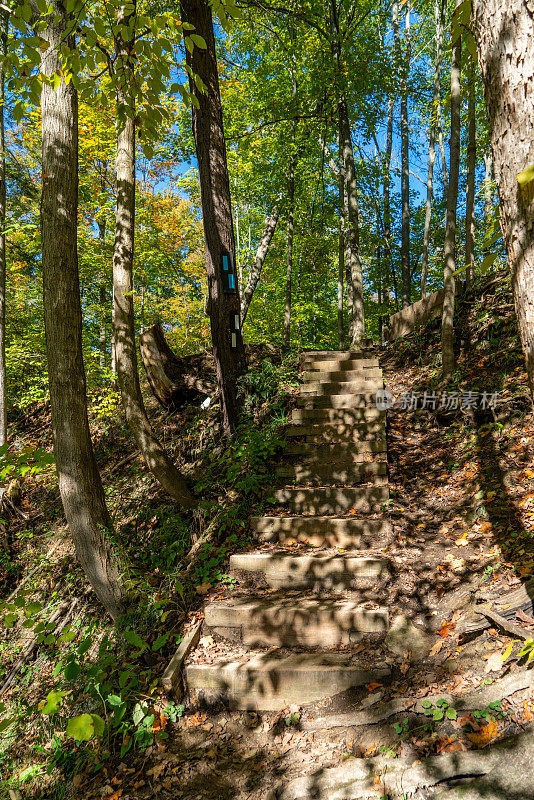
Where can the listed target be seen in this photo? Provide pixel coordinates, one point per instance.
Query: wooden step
(340, 387)
(347, 400)
(347, 532)
(342, 416)
(272, 681)
(341, 376)
(336, 474)
(337, 451)
(341, 364)
(294, 621)
(338, 433)
(333, 500)
(318, 572)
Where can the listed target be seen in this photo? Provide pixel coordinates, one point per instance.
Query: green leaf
(198, 40)
(438, 715)
(72, 671)
(52, 703)
(114, 700)
(526, 176)
(426, 703)
(160, 641)
(81, 728)
(451, 713)
(134, 639)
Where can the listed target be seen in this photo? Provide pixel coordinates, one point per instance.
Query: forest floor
(462, 509)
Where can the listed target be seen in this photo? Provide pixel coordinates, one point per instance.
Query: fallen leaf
(446, 629)
(494, 662)
(485, 735)
(437, 647)
(373, 685)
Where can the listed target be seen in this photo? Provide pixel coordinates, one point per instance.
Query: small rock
(404, 636)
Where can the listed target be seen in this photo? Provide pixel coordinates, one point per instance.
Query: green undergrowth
(89, 694)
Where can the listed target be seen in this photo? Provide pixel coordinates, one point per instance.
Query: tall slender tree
(449, 267)
(79, 481)
(438, 20)
(208, 131)
(4, 27)
(155, 456)
(471, 169)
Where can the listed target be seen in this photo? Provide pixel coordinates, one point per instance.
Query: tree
(155, 456)
(449, 249)
(471, 168)
(208, 131)
(438, 19)
(4, 26)
(504, 31)
(79, 481)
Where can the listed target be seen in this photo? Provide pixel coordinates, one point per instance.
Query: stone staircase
(304, 609)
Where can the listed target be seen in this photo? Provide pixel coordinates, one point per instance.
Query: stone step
(336, 474)
(340, 387)
(337, 451)
(294, 621)
(337, 355)
(319, 572)
(341, 364)
(347, 532)
(272, 681)
(336, 432)
(351, 400)
(341, 416)
(334, 500)
(341, 376)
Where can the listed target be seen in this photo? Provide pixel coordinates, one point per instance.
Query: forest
(266, 398)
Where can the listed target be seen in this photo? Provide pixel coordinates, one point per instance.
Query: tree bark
(488, 188)
(261, 254)
(289, 270)
(387, 200)
(471, 168)
(79, 481)
(154, 455)
(341, 250)
(505, 32)
(224, 309)
(406, 273)
(438, 19)
(4, 26)
(447, 321)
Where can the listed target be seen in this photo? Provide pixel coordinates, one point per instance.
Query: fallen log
(507, 605)
(175, 381)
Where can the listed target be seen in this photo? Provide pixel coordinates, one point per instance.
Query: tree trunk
(341, 250)
(387, 201)
(79, 481)
(154, 455)
(353, 262)
(261, 254)
(449, 250)
(438, 19)
(505, 32)
(4, 25)
(289, 271)
(471, 168)
(224, 309)
(488, 188)
(406, 273)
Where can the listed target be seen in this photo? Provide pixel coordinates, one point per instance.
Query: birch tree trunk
(438, 19)
(505, 33)
(261, 254)
(447, 321)
(471, 168)
(341, 250)
(79, 481)
(488, 188)
(289, 271)
(210, 145)
(154, 455)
